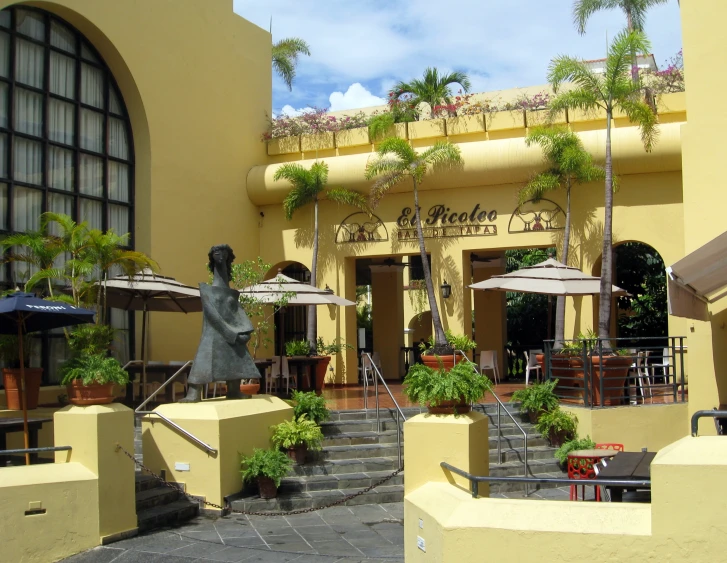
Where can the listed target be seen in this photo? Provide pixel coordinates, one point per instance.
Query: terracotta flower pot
(267, 487)
(298, 454)
(570, 373)
(614, 370)
(557, 439)
(460, 406)
(94, 394)
(321, 368)
(447, 361)
(11, 381)
(533, 416)
(250, 388)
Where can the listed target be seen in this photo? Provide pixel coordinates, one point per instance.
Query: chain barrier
(250, 512)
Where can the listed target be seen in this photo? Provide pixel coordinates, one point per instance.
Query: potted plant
(266, 468)
(311, 405)
(297, 348)
(250, 386)
(9, 354)
(296, 437)
(557, 426)
(445, 391)
(455, 342)
(90, 378)
(571, 446)
(536, 399)
(613, 368)
(324, 352)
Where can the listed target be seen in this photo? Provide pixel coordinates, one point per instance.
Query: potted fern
(536, 399)
(557, 426)
(311, 405)
(445, 391)
(455, 342)
(90, 378)
(266, 468)
(296, 437)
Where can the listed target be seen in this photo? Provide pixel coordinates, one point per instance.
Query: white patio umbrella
(147, 291)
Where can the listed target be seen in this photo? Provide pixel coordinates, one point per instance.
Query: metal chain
(250, 512)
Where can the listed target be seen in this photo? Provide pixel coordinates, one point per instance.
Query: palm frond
(285, 55)
(538, 186)
(620, 55)
(575, 99)
(297, 198)
(443, 156)
(642, 115)
(638, 12)
(398, 147)
(348, 197)
(584, 9)
(383, 165)
(568, 69)
(382, 185)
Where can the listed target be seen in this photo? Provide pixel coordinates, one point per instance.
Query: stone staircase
(355, 456)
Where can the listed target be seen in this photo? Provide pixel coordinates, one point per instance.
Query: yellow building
(138, 128)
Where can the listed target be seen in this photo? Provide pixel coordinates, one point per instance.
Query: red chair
(581, 468)
(616, 447)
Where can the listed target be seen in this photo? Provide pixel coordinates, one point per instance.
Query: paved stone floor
(371, 533)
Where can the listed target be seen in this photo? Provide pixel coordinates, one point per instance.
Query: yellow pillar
(490, 312)
(387, 295)
(93, 432)
(462, 441)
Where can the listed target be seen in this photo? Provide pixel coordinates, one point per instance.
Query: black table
(300, 363)
(16, 425)
(627, 465)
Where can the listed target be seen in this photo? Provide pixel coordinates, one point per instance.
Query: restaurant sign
(441, 221)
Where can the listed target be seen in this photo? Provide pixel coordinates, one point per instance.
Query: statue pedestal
(233, 427)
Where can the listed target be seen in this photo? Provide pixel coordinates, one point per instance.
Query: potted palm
(296, 437)
(90, 378)
(266, 468)
(445, 391)
(536, 399)
(9, 354)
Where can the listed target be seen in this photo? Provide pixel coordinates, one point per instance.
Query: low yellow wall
(684, 522)
(68, 492)
(636, 427)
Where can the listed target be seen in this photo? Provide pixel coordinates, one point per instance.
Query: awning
(698, 279)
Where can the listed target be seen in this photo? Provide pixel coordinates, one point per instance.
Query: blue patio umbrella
(21, 313)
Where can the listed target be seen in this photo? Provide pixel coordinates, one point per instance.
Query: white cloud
(355, 97)
(290, 111)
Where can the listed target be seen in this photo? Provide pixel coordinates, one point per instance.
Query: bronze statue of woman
(222, 352)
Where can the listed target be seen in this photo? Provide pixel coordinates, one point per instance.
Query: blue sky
(360, 48)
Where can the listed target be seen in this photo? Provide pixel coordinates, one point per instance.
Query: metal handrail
(702, 414)
(163, 385)
(36, 450)
(181, 430)
(500, 407)
(475, 480)
(399, 412)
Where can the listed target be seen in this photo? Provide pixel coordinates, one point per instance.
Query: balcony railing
(632, 371)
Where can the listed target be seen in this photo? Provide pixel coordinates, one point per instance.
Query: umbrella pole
(143, 353)
(550, 316)
(23, 398)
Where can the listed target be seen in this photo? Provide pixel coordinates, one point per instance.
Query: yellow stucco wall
(196, 80)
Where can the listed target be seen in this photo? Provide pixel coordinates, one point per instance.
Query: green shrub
(296, 432)
(537, 397)
(573, 445)
(297, 348)
(265, 463)
(94, 368)
(335, 347)
(456, 341)
(429, 386)
(557, 421)
(310, 404)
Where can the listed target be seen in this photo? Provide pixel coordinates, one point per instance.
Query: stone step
(360, 451)
(339, 466)
(319, 499)
(358, 438)
(155, 497)
(144, 482)
(309, 483)
(349, 426)
(170, 514)
(388, 413)
(517, 455)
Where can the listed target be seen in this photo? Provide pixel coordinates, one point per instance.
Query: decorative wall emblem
(359, 227)
(531, 216)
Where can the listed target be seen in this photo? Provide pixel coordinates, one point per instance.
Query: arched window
(65, 137)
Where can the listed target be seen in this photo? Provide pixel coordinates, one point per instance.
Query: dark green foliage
(428, 386)
(265, 463)
(557, 421)
(572, 446)
(10, 351)
(537, 397)
(295, 432)
(297, 348)
(90, 339)
(311, 405)
(335, 347)
(94, 368)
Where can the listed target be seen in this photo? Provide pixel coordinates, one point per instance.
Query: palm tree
(285, 58)
(433, 88)
(610, 91)
(398, 160)
(39, 251)
(568, 163)
(309, 186)
(635, 11)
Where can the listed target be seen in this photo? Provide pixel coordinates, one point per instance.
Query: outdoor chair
(367, 369)
(664, 364)
(488, 361)
(644, 377)
(531, 364)
(377, 361)
(278, 375)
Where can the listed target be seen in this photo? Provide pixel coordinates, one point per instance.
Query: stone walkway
(371, 532)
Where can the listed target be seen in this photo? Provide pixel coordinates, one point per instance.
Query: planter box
(504, 120)
(283, 145)
(576, 115)
(353, 137)
(427, 129)
(672, 103)
(540, 117)
(317, 142)
(396, 130)
(465, 124)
